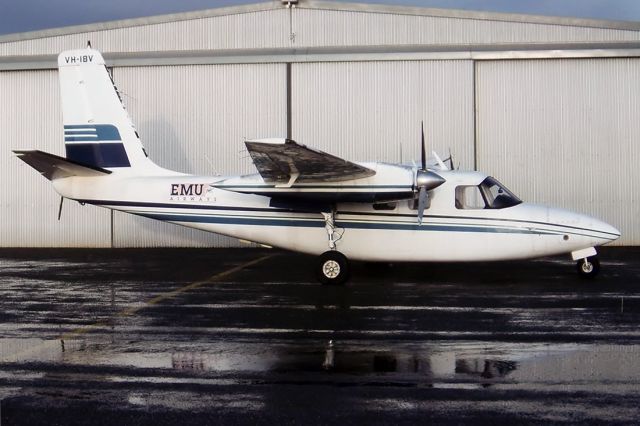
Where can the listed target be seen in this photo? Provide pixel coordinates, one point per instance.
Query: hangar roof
(327, 5)
(323, 30)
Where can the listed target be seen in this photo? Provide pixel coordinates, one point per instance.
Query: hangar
(548, 105)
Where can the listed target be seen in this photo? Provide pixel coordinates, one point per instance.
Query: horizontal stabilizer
(53, 167)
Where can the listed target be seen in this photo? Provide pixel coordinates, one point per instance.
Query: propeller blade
(422, 203)
(450, 160)
(439, 160)
(423, 148)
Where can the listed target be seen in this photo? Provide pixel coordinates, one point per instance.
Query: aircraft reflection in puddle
(442, 364)
(434, 362)
(349, 360)
(488, 369)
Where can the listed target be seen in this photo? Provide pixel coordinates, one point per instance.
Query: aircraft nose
(607, 231)
(599, 229)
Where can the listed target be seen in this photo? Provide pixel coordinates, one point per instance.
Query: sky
(29, 15)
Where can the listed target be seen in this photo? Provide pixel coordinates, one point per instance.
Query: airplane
(303, 199)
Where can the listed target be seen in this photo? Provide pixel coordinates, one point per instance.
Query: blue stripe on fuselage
(531, 229)
(231, 220)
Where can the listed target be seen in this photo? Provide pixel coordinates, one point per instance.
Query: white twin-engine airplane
(303, 199)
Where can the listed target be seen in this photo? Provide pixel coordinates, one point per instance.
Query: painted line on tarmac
(132, 311)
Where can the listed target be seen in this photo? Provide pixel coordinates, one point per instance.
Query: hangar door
(564, 132)
(32, 119)
(194, 119)
(371, 111)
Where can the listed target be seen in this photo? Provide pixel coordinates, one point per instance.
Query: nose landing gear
(588, 267)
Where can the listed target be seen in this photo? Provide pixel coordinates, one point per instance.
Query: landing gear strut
(330, 226)
(333, 266)
(588, 267)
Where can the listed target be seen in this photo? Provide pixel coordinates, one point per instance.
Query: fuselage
(386, 231)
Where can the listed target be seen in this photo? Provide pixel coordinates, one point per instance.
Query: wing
(285, 162)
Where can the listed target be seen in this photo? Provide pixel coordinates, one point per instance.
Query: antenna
(88, 44)
(60, 208)
(206, 157)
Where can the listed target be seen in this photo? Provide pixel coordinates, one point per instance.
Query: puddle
(433, 362)
(197, 401)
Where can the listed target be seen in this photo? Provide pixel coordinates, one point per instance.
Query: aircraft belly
(443, 246)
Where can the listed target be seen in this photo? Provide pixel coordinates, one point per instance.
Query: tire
(332, 268)
(588, 268)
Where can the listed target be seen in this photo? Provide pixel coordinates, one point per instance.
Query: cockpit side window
(469, 197)
(490, 194)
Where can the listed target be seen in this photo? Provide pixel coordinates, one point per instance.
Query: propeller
(426, 180)
(450, 160)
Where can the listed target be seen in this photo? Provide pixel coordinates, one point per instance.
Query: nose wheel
(332, 268)
(588, 267)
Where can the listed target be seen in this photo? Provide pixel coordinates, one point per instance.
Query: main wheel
(333, 268)
(588, 267)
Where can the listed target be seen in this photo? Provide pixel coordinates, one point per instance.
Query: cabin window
(413, 203)
(385, 206)
(490, 194)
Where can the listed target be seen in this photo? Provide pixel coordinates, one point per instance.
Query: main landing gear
(333, 266)
(588, 267)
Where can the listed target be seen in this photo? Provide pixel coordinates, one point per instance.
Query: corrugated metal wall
(191, 118)
(243, 30)
(305, 26)
(565, 132)
(31, 117)
(194, 119)
(372, 110)
(313, 27)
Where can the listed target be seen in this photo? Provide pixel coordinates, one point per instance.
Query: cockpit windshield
(490, 194)
(496, 195)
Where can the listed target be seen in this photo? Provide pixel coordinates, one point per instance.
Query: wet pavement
(166, 336)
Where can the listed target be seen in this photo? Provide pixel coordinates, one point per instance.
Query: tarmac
(247, 336)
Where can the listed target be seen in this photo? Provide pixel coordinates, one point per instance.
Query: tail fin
(97, 129)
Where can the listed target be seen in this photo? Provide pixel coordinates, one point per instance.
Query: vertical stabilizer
(97, 129)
